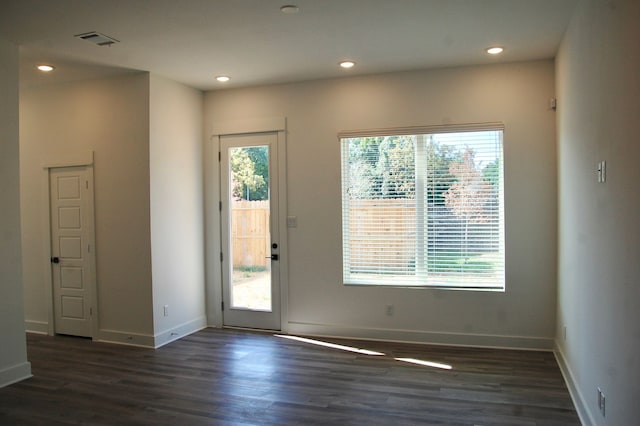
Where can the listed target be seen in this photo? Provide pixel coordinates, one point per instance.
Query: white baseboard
(38, 327)
(15, 373)
(582, 408)
(175, 333)
(428, 337)
(132, 339)
(124, 338)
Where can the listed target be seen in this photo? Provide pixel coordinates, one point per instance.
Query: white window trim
(419, 130)
(423, 130)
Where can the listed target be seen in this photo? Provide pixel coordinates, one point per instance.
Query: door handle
(55, 260)
(273, 257)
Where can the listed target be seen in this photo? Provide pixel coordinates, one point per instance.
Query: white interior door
(72, 259)
(250, 243)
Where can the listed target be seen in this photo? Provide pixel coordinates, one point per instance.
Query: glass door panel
(250, 269)
(250, 230)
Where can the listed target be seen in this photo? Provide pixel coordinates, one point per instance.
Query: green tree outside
(250, 170)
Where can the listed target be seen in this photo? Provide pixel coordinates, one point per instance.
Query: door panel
(251, 288)
(71, 277)
(72, 261)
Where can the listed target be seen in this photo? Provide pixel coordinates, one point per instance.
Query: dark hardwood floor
(231, 377)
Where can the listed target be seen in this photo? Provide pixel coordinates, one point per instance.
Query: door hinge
(88, 248)
(90, 311)
(221, 257)
(222, 304)
(219, 156)
(220, 204)
(86, 184)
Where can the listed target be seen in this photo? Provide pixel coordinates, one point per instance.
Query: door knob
(55, 260)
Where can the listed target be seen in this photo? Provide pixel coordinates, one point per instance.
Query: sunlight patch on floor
(425, 363)
(414, 361)
(330, 345)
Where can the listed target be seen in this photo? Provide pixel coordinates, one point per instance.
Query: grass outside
(450, 270)
(251, 288)
(458, 262)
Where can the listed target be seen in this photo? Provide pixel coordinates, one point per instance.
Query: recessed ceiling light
(495, 50)
(347, 64)
(45, 68)
(223, 78)
(289, 9)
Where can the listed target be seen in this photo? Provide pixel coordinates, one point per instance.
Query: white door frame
(238, 316)
(213, 217)
(75, 159)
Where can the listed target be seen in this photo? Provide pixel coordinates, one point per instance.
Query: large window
(424, 208)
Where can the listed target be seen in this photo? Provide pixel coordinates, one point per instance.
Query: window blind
(424, 209)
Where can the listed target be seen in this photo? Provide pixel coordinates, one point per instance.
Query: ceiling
(253, 42)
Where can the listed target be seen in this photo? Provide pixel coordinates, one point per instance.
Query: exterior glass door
(249, 231)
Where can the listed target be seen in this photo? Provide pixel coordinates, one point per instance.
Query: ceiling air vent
(97, 38)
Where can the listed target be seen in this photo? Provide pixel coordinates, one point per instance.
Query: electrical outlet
(389, 310)
(166, 310)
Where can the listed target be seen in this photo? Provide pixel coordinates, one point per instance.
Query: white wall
(599, 235)
(516, 94)
(177, 222)
(13, 355)
(110, 117)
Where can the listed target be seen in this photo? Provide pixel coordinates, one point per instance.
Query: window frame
(395, 282)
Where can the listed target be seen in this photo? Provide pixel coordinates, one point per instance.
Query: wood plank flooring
(232, 377)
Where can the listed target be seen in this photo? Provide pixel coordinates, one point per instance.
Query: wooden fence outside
(250, 233)
(381, 232)
(251, 239)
